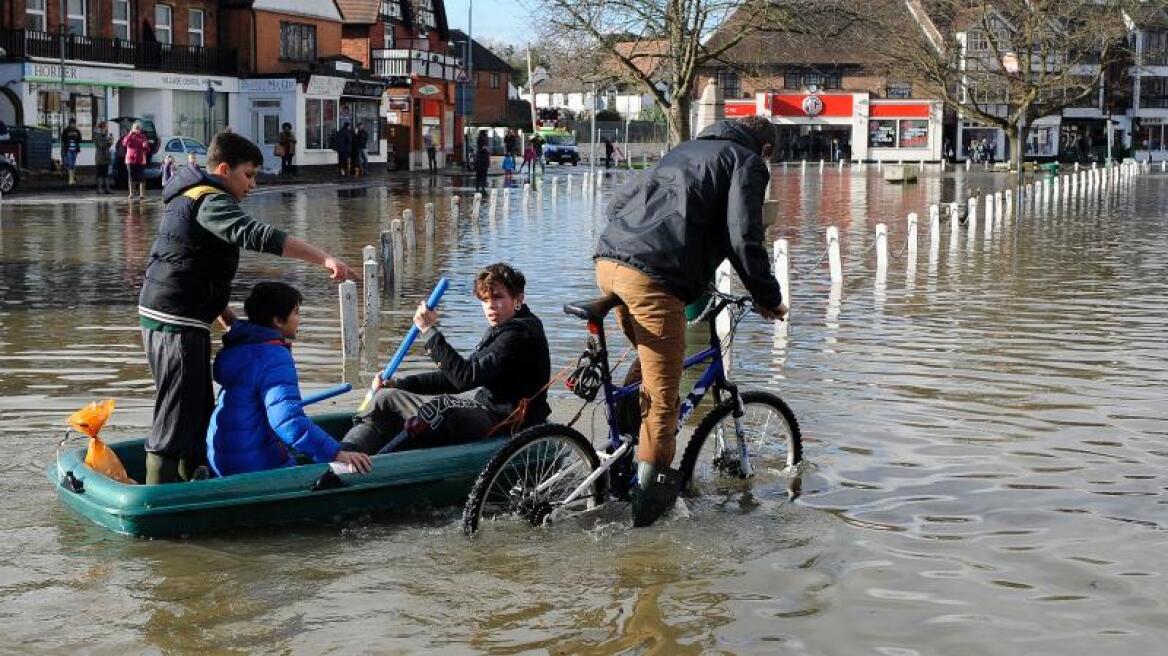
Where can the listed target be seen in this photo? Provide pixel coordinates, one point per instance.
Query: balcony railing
(23, 44)
(1154, 58)
(402, 62)
(1153, 102)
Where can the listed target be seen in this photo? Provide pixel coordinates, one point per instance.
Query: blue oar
(326, 394)
(400, 355)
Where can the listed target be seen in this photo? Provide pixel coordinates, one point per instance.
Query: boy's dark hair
(270, 300)
(232, 149)
(762, 129)
(511, 279)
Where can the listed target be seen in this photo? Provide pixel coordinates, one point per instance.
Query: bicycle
(549, 471)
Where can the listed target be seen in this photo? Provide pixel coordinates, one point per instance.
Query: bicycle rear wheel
(712, 463)
(529, 479)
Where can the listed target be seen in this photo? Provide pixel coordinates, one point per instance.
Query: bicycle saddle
(593, 309)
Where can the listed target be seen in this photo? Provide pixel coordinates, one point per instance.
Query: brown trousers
(654, 321)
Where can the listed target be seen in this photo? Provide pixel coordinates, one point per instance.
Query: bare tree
(1008, 63)
(656, 45)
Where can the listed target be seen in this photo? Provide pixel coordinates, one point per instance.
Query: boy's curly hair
(511, 279)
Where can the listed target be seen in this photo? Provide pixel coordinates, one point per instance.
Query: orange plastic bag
(99, 457)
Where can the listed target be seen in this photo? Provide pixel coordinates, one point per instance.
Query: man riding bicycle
(665, 237)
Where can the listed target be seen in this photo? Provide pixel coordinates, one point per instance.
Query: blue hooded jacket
(259, 414)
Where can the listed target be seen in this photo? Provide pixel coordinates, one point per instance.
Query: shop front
(904, 130)
(417, 116)
(321, 118)
(1150, 138)
(361, 107)
(980, 143)
(91, 94)
(815, 126)
(194, 106)
(263, 106)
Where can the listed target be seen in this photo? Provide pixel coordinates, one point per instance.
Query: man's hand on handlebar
(773, 314)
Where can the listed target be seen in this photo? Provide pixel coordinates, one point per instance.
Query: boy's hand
(773, 314)
(338, 270)
(425, 318)
(355, 459)
(226, 318)
(381, 383)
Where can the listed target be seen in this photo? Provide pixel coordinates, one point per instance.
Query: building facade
(1148, 114)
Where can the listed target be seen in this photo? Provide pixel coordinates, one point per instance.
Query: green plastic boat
(307, 493)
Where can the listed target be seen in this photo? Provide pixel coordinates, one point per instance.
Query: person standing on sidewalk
(666, 235)
(343, 144)
(431, 151)
(360, 142)
(70, 147)
(187, 286)
(287, 143)
(482, 167)
(102, 158)
(137, 154)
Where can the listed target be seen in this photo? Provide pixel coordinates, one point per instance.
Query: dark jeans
(432, 157)
(450, 420)
(286, 167)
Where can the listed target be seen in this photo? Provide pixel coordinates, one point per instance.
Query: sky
(503, 20)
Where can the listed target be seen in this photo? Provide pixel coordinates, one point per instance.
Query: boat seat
(593, 309)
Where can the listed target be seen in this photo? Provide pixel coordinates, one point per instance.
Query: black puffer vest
(188, 278)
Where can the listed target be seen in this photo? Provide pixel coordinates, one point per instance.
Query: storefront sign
(109, 77)
(431, 120)
(899, 110)
(429, 90)
(737, 108)
(363, 89)
(180, 82)
(266, 85)
(826, 105)
(323, 86)
(812, 106)
(393, 118)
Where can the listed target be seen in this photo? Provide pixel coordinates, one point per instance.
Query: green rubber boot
(655, 493)
(161, 469)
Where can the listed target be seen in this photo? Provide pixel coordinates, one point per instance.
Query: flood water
(986, 441)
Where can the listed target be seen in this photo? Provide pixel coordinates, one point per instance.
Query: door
(267, 131)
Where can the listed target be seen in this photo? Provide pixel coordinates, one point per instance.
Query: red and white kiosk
(848, 125)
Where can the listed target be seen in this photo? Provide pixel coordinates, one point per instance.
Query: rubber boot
(161, 469)
(72, 177)
(655, 493)
(141, 191)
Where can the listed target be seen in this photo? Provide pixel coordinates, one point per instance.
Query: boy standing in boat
(510, 367)
(259, 413)
(186, 287)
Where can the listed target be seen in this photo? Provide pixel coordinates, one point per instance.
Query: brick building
(160, 61)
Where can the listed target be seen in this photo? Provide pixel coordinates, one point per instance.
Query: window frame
(120, 22)
(158, 29)
(297, 42)
(202, 31)
(495, 80)
(70, 17)
(41, 14)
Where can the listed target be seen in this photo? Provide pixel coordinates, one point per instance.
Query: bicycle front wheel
(712, 463)
(531, 478)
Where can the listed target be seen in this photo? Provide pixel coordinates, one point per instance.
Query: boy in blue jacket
(259, 413)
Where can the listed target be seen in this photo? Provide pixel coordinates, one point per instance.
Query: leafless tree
(1008, 63)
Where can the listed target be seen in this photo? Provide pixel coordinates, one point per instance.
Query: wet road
(986, 440)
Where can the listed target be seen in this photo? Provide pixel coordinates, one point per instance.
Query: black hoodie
(510, 363)
(701, 204)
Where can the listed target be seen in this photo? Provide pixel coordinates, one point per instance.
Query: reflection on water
(985, 430)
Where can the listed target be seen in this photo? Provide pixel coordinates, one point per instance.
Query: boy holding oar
(187, 285)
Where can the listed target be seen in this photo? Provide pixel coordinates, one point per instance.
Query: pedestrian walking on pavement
(431, 151)
(102, 143)
(482, 166)
(70, 147)
(137, 154)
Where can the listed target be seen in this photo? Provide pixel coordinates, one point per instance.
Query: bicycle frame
(714, 376)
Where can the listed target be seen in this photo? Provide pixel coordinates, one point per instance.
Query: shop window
(390, 10)
(494, 80)
(163, 21)
(1150, 137)
(800, 79)
(75, 16)
(195, 35)
(914, 134)
(193, 117)
(320, 122)
(121, 19)
(297, 42)
(34, 15)
(881, 134)
(84, 104)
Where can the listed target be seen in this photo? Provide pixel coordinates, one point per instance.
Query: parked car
(9, 173)
(179, 147)
(560, 146)
(153, 170)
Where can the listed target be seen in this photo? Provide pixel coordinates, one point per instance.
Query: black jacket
(196, 253)
(701, 204)
(510, 363)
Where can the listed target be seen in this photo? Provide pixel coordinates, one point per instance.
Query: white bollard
(399, 256)
(840, 166)
(881, 253)
(454, 207)
(568, 186)
(971, 219)
(934, 232)
(350, 333)
(492, 204)
(821, 165)
(833, 255)
(724, 278)
(803, 165)
(989, 212)
(526, 193)
(506, 203)
(967, 165)
(430, 220)
(1009, 209)
(387, 271)
(954, 226)
(410, 234)
(911, 239)
(783, 270)
(555, 187)
(372, 297)
(476, 206)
